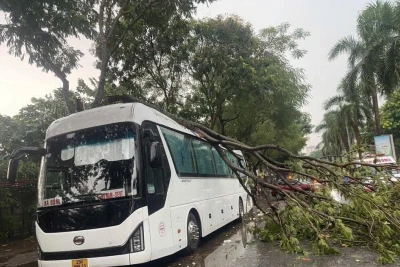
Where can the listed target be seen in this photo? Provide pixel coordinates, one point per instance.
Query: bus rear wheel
(193, 234)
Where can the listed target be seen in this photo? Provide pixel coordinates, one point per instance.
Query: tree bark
(222, 126)
(357, 134)
(376, 110)
(345, 140)
(65, 89)
(100, 87)
(104, 55)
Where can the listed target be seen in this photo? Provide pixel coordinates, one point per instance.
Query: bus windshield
(91, 164)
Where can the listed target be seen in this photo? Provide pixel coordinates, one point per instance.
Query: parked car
(301, 184)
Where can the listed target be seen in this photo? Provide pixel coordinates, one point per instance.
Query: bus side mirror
(155, 157)
(17, 155)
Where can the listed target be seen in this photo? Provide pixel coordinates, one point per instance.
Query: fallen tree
(369, 218)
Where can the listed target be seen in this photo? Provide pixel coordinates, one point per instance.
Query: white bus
(124, 184)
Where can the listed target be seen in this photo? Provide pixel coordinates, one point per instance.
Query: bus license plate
(80, 263)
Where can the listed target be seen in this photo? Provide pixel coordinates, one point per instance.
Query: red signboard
(52, 201)
(112, 194)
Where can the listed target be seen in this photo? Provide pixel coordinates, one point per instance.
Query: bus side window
(180, 147)
(204, 158)
(222, 168)
(157, 179)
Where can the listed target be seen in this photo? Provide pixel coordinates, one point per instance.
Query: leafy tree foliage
(366, 54)
(40, 31)
(152, 59)
(217, 71)
(243, 84)
(336, 137)
(317, 154)
(221, 73)
(372, 57)
(219, 64)
(391, 117)
(28, 128)
(354, 107)
(131, 25)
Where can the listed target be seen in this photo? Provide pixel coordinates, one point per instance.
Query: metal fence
(17, 209)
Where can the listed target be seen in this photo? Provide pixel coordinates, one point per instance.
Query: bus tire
(193, 234)
(241, 209)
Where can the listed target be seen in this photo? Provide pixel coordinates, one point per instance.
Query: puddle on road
(231, 249)
(223, 248)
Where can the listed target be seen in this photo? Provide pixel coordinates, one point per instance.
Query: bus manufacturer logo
(79, 240)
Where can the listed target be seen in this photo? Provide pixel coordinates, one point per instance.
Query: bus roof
(127, 112)
(134, 112)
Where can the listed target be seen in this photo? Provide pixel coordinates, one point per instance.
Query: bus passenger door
(157, 177)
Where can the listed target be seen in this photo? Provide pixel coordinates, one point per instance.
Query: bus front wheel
(193, 234)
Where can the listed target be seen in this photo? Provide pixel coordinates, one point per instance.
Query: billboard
(384, 146)
(380, 160)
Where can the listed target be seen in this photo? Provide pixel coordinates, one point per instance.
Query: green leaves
(28, 128)
(244, 83)
(278, 41)
(372, 58)
(366, 219)
(290, 244)
(321, 246)
(342, 230)
(39, 30)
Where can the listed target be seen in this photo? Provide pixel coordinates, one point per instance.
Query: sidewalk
(19, 253)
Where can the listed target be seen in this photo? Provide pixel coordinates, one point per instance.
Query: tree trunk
(376, 111)
(357, 134)
(65, 91)
(213, 120)
(345, 140)
(104, 55)
(102, 80)
(222, 125)
(220, 119)
(65, 88)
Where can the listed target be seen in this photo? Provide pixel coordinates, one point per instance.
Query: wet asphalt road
(234, 245)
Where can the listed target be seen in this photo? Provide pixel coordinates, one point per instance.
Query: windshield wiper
(97, 196)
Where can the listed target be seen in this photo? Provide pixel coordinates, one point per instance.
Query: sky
(326, 20)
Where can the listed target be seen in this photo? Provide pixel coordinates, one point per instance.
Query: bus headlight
(136, 242)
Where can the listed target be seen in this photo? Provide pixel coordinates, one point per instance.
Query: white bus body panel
(94, 239)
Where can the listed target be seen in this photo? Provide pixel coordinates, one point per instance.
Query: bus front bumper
(118, 260)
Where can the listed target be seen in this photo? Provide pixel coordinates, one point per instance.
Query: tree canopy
(372, 68)
(41, 30)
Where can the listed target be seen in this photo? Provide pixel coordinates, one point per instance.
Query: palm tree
(336, 138)
(366, 55)
(389, 67)
(352, 105)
